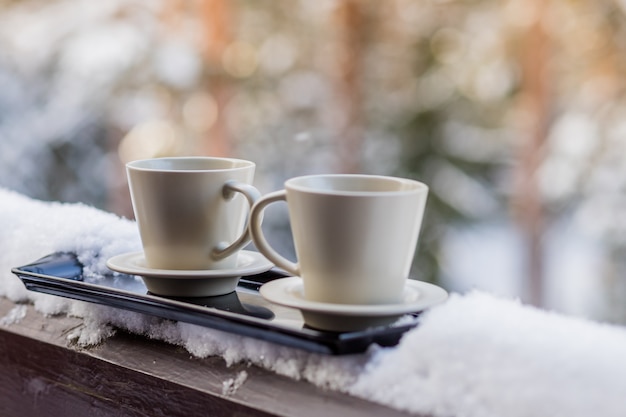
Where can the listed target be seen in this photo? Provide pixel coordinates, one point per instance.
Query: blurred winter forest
(512, 111)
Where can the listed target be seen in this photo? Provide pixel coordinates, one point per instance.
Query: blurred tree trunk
(536, 108)
(217, 20)
(350, 24)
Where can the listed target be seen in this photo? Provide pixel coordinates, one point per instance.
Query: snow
(475, 355)
(483, 356)
(231, 385)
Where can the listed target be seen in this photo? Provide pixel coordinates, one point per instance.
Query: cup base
(175, 287)
(289, 292)
(190, 283)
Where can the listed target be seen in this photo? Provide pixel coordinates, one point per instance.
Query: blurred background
(512, 111)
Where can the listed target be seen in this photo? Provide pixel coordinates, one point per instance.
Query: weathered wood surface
(40, 375)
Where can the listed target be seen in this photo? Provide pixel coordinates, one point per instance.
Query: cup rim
(142, 164)
(299, 184)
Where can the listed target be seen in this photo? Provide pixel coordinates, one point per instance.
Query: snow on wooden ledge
(475, 355)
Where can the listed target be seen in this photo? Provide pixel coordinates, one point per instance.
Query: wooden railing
(42, 374)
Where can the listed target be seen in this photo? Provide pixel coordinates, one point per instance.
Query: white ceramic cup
(355, 235)
(189, 211)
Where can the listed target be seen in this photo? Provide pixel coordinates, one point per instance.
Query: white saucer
(289, 292)
(190, 283)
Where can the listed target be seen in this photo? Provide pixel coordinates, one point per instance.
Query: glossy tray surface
(242, 312)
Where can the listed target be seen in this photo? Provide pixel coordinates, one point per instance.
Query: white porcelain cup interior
(192, 212)
(355, 235)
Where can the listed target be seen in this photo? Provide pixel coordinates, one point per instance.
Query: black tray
(242, 312)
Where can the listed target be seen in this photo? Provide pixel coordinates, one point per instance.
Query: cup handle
(256, 233)
(224, 250)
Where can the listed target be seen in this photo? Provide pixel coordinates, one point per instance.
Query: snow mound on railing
(476, 355)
